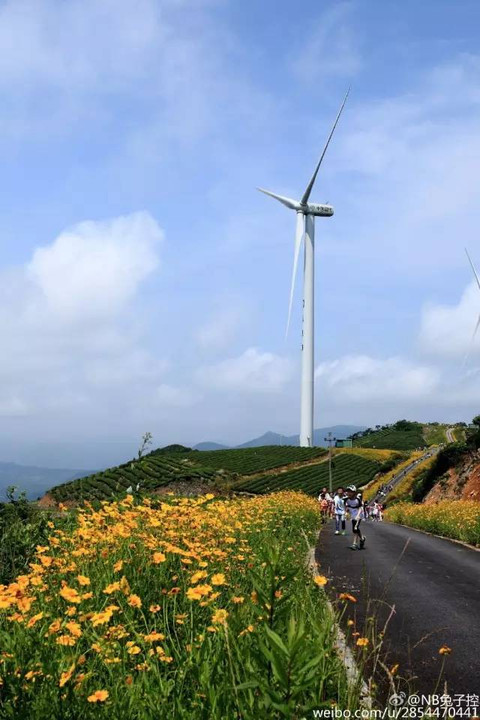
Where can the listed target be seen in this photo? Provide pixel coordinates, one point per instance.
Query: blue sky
(144, 282)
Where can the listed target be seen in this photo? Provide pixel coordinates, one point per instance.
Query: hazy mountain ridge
(33, 480)
(272, 438)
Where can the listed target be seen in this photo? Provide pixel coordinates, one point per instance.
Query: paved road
(450, 436)
(408, 469)
(434, 586)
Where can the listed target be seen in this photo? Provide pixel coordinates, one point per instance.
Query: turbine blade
(299, 233)
(288, 202)
(473, 268)
(307, 192)
(472, 342)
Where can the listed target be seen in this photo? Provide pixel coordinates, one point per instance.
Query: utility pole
(330, 440)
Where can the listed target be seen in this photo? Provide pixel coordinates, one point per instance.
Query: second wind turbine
(306, 213)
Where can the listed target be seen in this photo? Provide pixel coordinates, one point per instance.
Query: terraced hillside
(176, 464)
(346, 468)
(245, 461)
(403, 435)
(150, 473)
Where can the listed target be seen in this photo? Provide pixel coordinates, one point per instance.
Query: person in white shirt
(326, 495)
(339, 510)
(354, 505)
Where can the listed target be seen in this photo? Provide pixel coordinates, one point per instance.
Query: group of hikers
(350, 502)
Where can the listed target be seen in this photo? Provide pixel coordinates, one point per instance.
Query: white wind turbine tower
(478, 319)
(306, 213)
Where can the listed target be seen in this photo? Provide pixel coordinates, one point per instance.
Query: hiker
(324, 506)
(329, 500)
(339, 510)
(354, 506)
(375, 511)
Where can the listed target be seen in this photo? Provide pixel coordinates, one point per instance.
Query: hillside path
(434, 587)
(450, 435)
(382, 497)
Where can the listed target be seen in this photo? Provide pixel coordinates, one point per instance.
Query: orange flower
(65, 640)
(159, 557)
(70, 595)
(34, 619)
(83, 580)
(118, 566)
(362, 642)
(320, 580)
(445, 650)
(65, 676)
(347, 596)
(98, 696)
(154, 608)
(113, 587)
(134, 650)
(134, 601)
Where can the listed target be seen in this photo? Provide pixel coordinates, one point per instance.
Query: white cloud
(446, 330)
(93, 269)
(219, 331)
(72, 339)
(329, 46)
(363, 379)
(253, 371)
(169, 396)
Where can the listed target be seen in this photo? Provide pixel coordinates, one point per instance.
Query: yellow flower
(154, 608)
(238, 600)
(218, 579)
(362, 642)
(134, 650)
(113, 587)
(83, 580)
(197, 576)
(134, 601)
(70, 594)
(197, 592)
(98, 696)
(320, 580)
(445, 650)
(154, 637)
(118, 566)
(219, 617)
(65, 640)
(159, 557)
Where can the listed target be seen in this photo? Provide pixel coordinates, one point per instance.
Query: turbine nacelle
(318, 210)
(303, 207)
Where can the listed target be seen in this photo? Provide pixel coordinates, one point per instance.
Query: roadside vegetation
(457, 519)
(186, 608)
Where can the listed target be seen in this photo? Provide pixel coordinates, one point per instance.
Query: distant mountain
(34, 481)
(210, 446)
(270, 438)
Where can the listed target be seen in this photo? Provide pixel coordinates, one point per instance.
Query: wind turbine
(306, 213)
(478, 319)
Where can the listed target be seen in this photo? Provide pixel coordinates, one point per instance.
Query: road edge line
(442, 537)
(352, 672)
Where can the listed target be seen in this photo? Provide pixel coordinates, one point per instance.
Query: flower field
(186, 608)
(458, 519)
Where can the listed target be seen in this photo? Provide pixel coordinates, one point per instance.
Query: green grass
(435, 434)
(346, 469)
